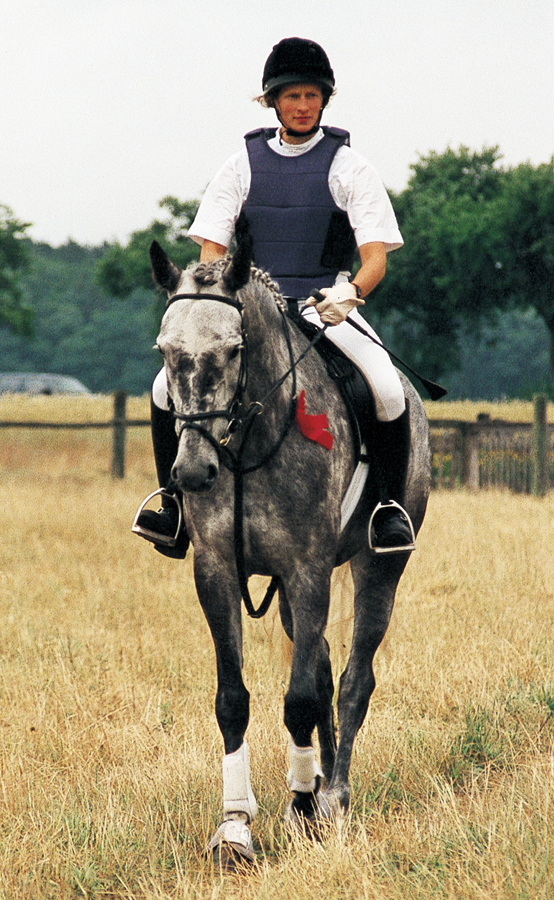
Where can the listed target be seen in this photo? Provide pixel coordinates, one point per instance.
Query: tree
(522, 227)
(122, 269)
(14, 262)
(80, 330)
(446, 276)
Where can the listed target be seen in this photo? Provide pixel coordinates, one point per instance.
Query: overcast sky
(106, 106)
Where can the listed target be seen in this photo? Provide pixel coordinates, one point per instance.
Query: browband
(220, 298)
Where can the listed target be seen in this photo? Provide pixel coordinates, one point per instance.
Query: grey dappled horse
(226, 345)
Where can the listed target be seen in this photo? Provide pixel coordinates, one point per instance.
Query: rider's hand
(339, 301)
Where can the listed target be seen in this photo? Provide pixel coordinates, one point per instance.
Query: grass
(110, 757)
(467, 410)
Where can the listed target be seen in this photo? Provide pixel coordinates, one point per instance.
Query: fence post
(119, 433)
(539, 445)
(470, 456)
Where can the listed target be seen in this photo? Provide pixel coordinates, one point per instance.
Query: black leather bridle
(231, 411)
(236, 417)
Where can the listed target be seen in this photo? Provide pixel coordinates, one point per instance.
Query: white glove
(339, 301)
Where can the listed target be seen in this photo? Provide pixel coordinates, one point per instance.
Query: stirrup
(165, 539)
(371, 533)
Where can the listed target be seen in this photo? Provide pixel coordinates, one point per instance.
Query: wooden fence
(494, 453)
(118, 425)
(486, 453)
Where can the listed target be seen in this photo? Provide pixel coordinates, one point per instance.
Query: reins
(234, 461)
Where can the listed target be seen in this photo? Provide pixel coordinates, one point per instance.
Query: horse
(259, 497)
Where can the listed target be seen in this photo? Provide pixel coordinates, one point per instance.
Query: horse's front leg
(221, 602)
(309, 607)
(325, 689)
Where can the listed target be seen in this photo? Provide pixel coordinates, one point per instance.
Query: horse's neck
(268, 356)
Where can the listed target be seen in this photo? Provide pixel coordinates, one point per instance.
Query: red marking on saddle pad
(313, 427)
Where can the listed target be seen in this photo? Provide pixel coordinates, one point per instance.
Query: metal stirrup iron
(390, 504)
(154, 536)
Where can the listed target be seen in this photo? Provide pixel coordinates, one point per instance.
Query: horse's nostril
(212, 474)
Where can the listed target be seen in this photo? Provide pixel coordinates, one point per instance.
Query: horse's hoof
(309, 814)
(339, 801)
(232, 848)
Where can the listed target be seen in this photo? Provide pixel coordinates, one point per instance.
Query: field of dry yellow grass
(110, 757)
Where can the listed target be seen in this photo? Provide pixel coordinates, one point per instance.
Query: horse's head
(202, 343)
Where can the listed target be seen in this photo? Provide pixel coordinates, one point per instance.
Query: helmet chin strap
(292, 131)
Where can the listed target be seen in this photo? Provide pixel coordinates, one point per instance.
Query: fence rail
(118, 424)
(494, 453)
(486, 453)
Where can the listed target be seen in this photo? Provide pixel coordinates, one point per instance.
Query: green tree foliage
(80, 331)
(522, 225)
(445, 277)
(479, 241)
(14, 261)
(122, 269)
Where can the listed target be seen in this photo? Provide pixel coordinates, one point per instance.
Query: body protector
(299, 234)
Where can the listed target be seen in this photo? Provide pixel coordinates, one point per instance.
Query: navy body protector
(299, 234)
(301, 237)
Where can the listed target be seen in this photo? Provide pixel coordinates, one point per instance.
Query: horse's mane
(209, 273)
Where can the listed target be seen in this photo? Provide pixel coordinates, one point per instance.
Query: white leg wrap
(238, 796)
(304, 768)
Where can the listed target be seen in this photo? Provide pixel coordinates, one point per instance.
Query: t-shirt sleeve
(221, 204)
(357, 188)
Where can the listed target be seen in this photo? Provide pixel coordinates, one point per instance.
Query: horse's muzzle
(196, 474)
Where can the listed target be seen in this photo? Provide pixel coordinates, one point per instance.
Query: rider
(309, 201)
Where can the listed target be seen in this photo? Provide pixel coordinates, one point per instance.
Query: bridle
(231, 411)
(238, 417)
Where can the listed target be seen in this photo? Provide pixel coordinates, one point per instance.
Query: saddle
(373, 479)
(351, 384)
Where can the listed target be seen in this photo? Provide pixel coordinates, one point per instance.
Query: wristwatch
(358, 289)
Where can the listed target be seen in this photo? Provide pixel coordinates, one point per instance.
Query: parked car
(40, 383)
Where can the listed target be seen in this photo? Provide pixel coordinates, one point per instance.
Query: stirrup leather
(165, 539)
(371, 531)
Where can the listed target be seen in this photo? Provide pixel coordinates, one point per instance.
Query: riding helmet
(297, 61)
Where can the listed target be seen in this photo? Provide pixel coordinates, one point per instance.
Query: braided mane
(210, 273)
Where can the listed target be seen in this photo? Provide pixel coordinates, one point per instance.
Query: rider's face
(299, 106)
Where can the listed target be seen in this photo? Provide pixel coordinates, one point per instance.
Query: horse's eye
(234, 353)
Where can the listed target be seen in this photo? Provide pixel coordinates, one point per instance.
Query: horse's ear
(237, 273)
(165, 273)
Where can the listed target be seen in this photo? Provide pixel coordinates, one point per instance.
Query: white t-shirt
(354, 184)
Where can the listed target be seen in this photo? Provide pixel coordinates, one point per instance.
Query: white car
(37, 383)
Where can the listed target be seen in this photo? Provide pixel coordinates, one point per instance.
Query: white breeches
(159, 390)
(373, 362)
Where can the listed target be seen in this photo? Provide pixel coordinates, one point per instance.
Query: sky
(107, 106)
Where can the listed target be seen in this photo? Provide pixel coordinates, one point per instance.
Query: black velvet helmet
(297, 61)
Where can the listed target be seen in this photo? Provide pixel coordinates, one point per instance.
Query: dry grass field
(110, 757)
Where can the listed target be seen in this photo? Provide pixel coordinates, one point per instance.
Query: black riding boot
(166, 520)
(391, 446)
